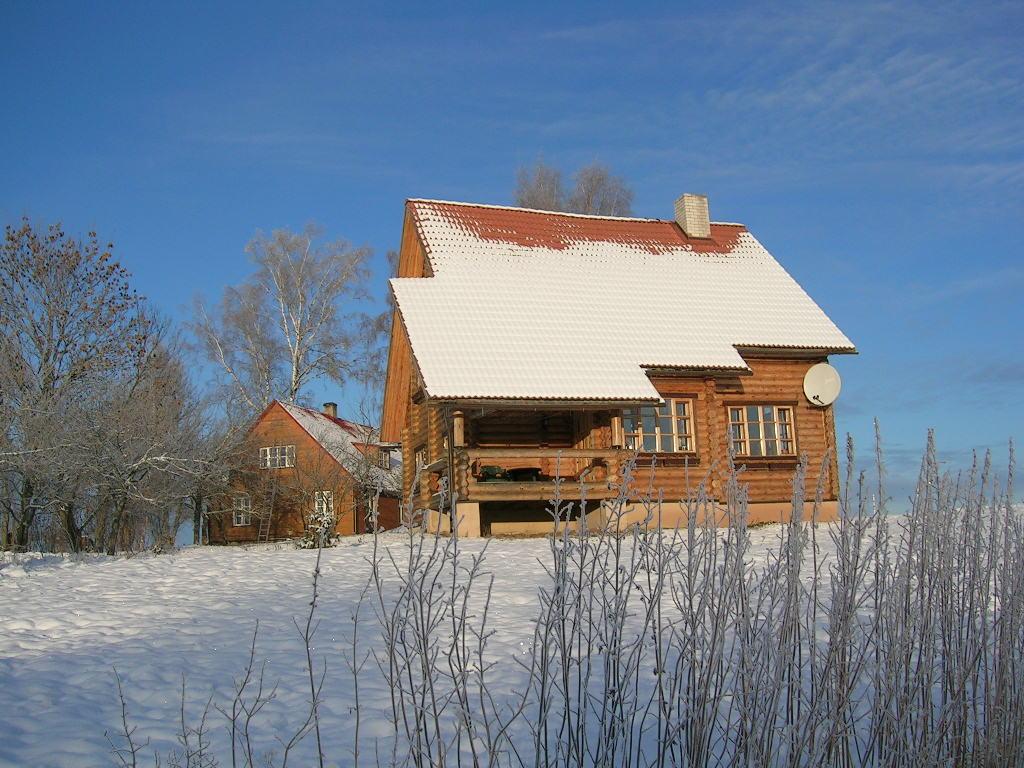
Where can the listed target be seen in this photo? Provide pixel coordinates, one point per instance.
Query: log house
(530, 345)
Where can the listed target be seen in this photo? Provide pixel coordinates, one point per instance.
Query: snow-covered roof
(346, 441)
(536, 304)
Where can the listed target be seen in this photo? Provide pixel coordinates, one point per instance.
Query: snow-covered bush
(319, 530)
(876, 640)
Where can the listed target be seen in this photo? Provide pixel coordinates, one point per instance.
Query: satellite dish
(822, 384)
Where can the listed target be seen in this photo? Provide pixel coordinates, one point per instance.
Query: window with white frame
(762, 430)
(277, 456)
(666, 428)
(241, 510)
(384, 458)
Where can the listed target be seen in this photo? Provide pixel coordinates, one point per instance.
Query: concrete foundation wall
(467, 519)
(671, 515)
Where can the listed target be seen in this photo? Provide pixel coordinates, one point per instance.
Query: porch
(535, 474)
(505, 464)
(507, 491)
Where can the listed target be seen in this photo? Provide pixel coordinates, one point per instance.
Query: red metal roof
(548, 229)
(349, 426)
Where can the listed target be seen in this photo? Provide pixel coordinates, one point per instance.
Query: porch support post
(458, 429)
(616, 424)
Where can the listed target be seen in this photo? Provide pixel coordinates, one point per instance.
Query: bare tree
(68, 319)
(103, 437)
(595, 191)
(217, 444)
(143, 447)
(293, 320)
(540, 187)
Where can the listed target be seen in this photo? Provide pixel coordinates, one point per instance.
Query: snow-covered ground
(66, 623)
(645, 645)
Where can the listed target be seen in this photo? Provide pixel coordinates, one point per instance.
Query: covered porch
(501, 461)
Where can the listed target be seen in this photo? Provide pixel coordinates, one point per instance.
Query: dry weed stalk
(876, 640)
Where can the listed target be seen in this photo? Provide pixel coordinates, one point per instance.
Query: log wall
(774, 382)
(412, 262)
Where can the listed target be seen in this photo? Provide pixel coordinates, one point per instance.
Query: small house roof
(547, 305)
(347, 442)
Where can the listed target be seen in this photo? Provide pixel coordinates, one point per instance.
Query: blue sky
(877, 149)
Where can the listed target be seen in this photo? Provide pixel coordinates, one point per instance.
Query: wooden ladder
(264, 533)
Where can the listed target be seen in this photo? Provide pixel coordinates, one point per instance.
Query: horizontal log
(538, 491)
(541, 453)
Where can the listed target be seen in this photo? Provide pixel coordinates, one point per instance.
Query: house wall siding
(289, 489)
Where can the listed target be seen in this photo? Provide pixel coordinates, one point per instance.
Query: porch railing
(593, 469)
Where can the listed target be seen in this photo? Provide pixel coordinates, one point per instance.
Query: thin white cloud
(257, 138)
(984, 173)
(961, 288)
(934, 91)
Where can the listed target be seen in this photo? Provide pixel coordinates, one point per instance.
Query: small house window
(323, 503)
(762, 430)
(384, 458)
(277, 456)
(241, 510)
(420, 458)
(664, 428)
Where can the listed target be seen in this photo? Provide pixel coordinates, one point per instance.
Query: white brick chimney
(692, 215)
(331, 409)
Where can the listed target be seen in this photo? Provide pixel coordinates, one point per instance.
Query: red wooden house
(300, 464)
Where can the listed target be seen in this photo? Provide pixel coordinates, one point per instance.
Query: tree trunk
(197, 517)
(6, 504)
(117, 527)
(101, 523)
(71, 529)
(28, 513)
(22, 530)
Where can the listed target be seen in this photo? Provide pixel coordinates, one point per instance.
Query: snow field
(65, 624)
(845, 644)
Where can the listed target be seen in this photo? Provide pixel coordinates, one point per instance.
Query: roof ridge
(570, 214)
(337, 420)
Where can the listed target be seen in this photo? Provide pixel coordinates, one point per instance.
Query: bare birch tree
(295, 319)
(540, 187)
(598, 192)
(595, 191)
